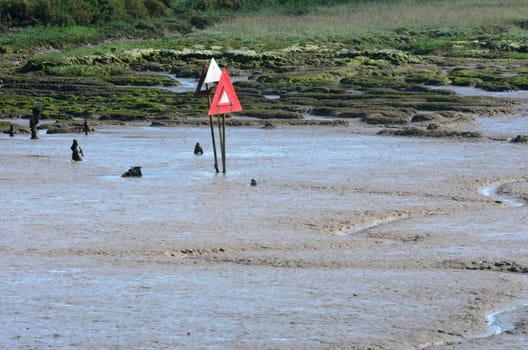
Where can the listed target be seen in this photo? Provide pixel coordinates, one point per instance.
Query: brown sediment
(389, 249)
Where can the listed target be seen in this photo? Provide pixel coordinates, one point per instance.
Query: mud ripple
(371, 220)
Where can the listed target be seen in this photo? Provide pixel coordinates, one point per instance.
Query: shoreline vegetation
(366, 60)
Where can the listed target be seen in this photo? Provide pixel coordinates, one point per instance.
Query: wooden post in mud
(198, 91)
(86, 128)
(34, 121)
(211, 125)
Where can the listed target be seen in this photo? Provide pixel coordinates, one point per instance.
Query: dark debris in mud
(498, 266)
(520, 139)
(429, 132)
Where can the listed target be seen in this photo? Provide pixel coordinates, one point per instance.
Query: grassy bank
(370, 23)
(363, 19)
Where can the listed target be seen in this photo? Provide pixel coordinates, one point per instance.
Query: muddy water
(187, 258)
(505, 127)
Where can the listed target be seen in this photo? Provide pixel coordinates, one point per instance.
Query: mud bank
(349, 240)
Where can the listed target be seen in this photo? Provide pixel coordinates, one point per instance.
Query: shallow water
(86, 255)
(190, 84)
(504, 320)
(504, 127)
(491, 191)
(471, 91)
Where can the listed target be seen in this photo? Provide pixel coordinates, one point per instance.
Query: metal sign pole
(224, 101)
(221, 140)
(224, 143)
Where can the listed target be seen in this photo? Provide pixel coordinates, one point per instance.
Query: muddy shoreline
(365, 241)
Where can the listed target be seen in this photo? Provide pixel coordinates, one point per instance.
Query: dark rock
(134, 171)
(198, 149)
(520, 139)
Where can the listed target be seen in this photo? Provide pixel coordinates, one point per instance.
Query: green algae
(381, 79)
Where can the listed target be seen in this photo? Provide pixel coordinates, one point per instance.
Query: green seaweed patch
(490, 79)
(495, 85)
(426, 117)
(498, 45)
(372, 81)
(8, 128)
(325, 111)
(386, 117)
(152, 59)
(322, 93)
(14, 105)
(247, 58)
(73, 99)
(271, 114)
(425, 76)
(370, 56)
(141, 80)
(428, 46)
(80, 70)
(307, 81)
(519, 81)
(129, 58)
(349, 113)
(433, 101)
(465, 81)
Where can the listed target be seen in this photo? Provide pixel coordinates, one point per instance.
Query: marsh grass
(424, 26)
(85, 70)
(46, 37)
(27, 39)
(364, 18)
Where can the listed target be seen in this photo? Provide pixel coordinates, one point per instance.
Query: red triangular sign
(225, 99)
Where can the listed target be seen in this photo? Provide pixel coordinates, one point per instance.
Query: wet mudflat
(348, 240)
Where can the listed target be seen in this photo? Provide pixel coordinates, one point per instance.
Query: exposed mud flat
(349, 240)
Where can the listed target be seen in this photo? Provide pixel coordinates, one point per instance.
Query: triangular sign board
(225, 99)
(210, 74)
(213, 73)
(199, 90)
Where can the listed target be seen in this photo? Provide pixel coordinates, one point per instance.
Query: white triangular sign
(213, 73)
(225, 99)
